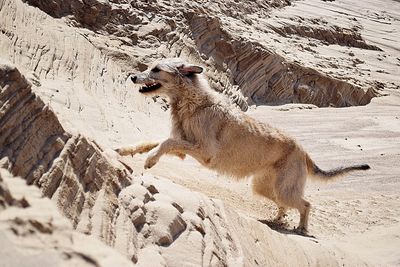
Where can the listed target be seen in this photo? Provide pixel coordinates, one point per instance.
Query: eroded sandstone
(247, 71)
(79, 62)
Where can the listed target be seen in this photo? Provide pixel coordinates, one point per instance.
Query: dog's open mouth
(148, 87)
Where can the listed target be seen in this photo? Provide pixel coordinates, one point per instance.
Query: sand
(326, 72)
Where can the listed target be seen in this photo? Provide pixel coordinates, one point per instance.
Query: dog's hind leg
(263, 185)
(175, 147)
(303, 206)
(297, 202)
(289, 192)
(281, 214)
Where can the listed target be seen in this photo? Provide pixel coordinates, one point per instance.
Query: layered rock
(247, 71)
(34, 233)
(329, 35)
(265, 77)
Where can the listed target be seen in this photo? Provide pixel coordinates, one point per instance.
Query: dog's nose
(133, 78)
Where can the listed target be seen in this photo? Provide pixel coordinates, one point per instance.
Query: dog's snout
(134, 78)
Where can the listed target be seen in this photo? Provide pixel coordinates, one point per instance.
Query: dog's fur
(222, 138)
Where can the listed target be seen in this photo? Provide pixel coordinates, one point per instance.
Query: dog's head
(166, 77)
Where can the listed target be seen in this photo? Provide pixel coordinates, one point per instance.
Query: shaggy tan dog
(222, 138)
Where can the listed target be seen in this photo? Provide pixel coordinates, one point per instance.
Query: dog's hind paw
(301, 231)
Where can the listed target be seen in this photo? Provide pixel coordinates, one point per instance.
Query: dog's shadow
(283, 228)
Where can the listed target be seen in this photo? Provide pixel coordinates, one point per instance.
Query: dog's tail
(316, 172)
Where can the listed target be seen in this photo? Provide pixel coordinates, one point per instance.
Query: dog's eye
(155, 69)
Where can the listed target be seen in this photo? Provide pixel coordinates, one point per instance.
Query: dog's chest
(190, 127)
(191, 130)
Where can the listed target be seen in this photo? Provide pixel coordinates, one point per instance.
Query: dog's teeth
(149, 87)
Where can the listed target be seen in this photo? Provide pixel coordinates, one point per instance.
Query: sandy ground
(359, 212)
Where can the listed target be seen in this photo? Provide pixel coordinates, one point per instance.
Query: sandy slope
(360, 212)
(79, 65)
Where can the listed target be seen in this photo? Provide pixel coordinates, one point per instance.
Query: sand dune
(326, 72)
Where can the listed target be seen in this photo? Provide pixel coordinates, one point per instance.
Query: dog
(223, 138)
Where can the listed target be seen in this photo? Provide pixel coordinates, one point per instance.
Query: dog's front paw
(122, 151)
(150, 162)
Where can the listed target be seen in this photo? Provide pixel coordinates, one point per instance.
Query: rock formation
(65, 103)
(246, 70)
(34, 233)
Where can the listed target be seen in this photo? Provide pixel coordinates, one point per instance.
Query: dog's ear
(187, 69)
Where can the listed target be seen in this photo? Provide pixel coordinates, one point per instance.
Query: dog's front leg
(173, 146)
(143, 148)
(138, 148)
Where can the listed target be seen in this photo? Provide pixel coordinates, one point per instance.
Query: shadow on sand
(283, 229)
